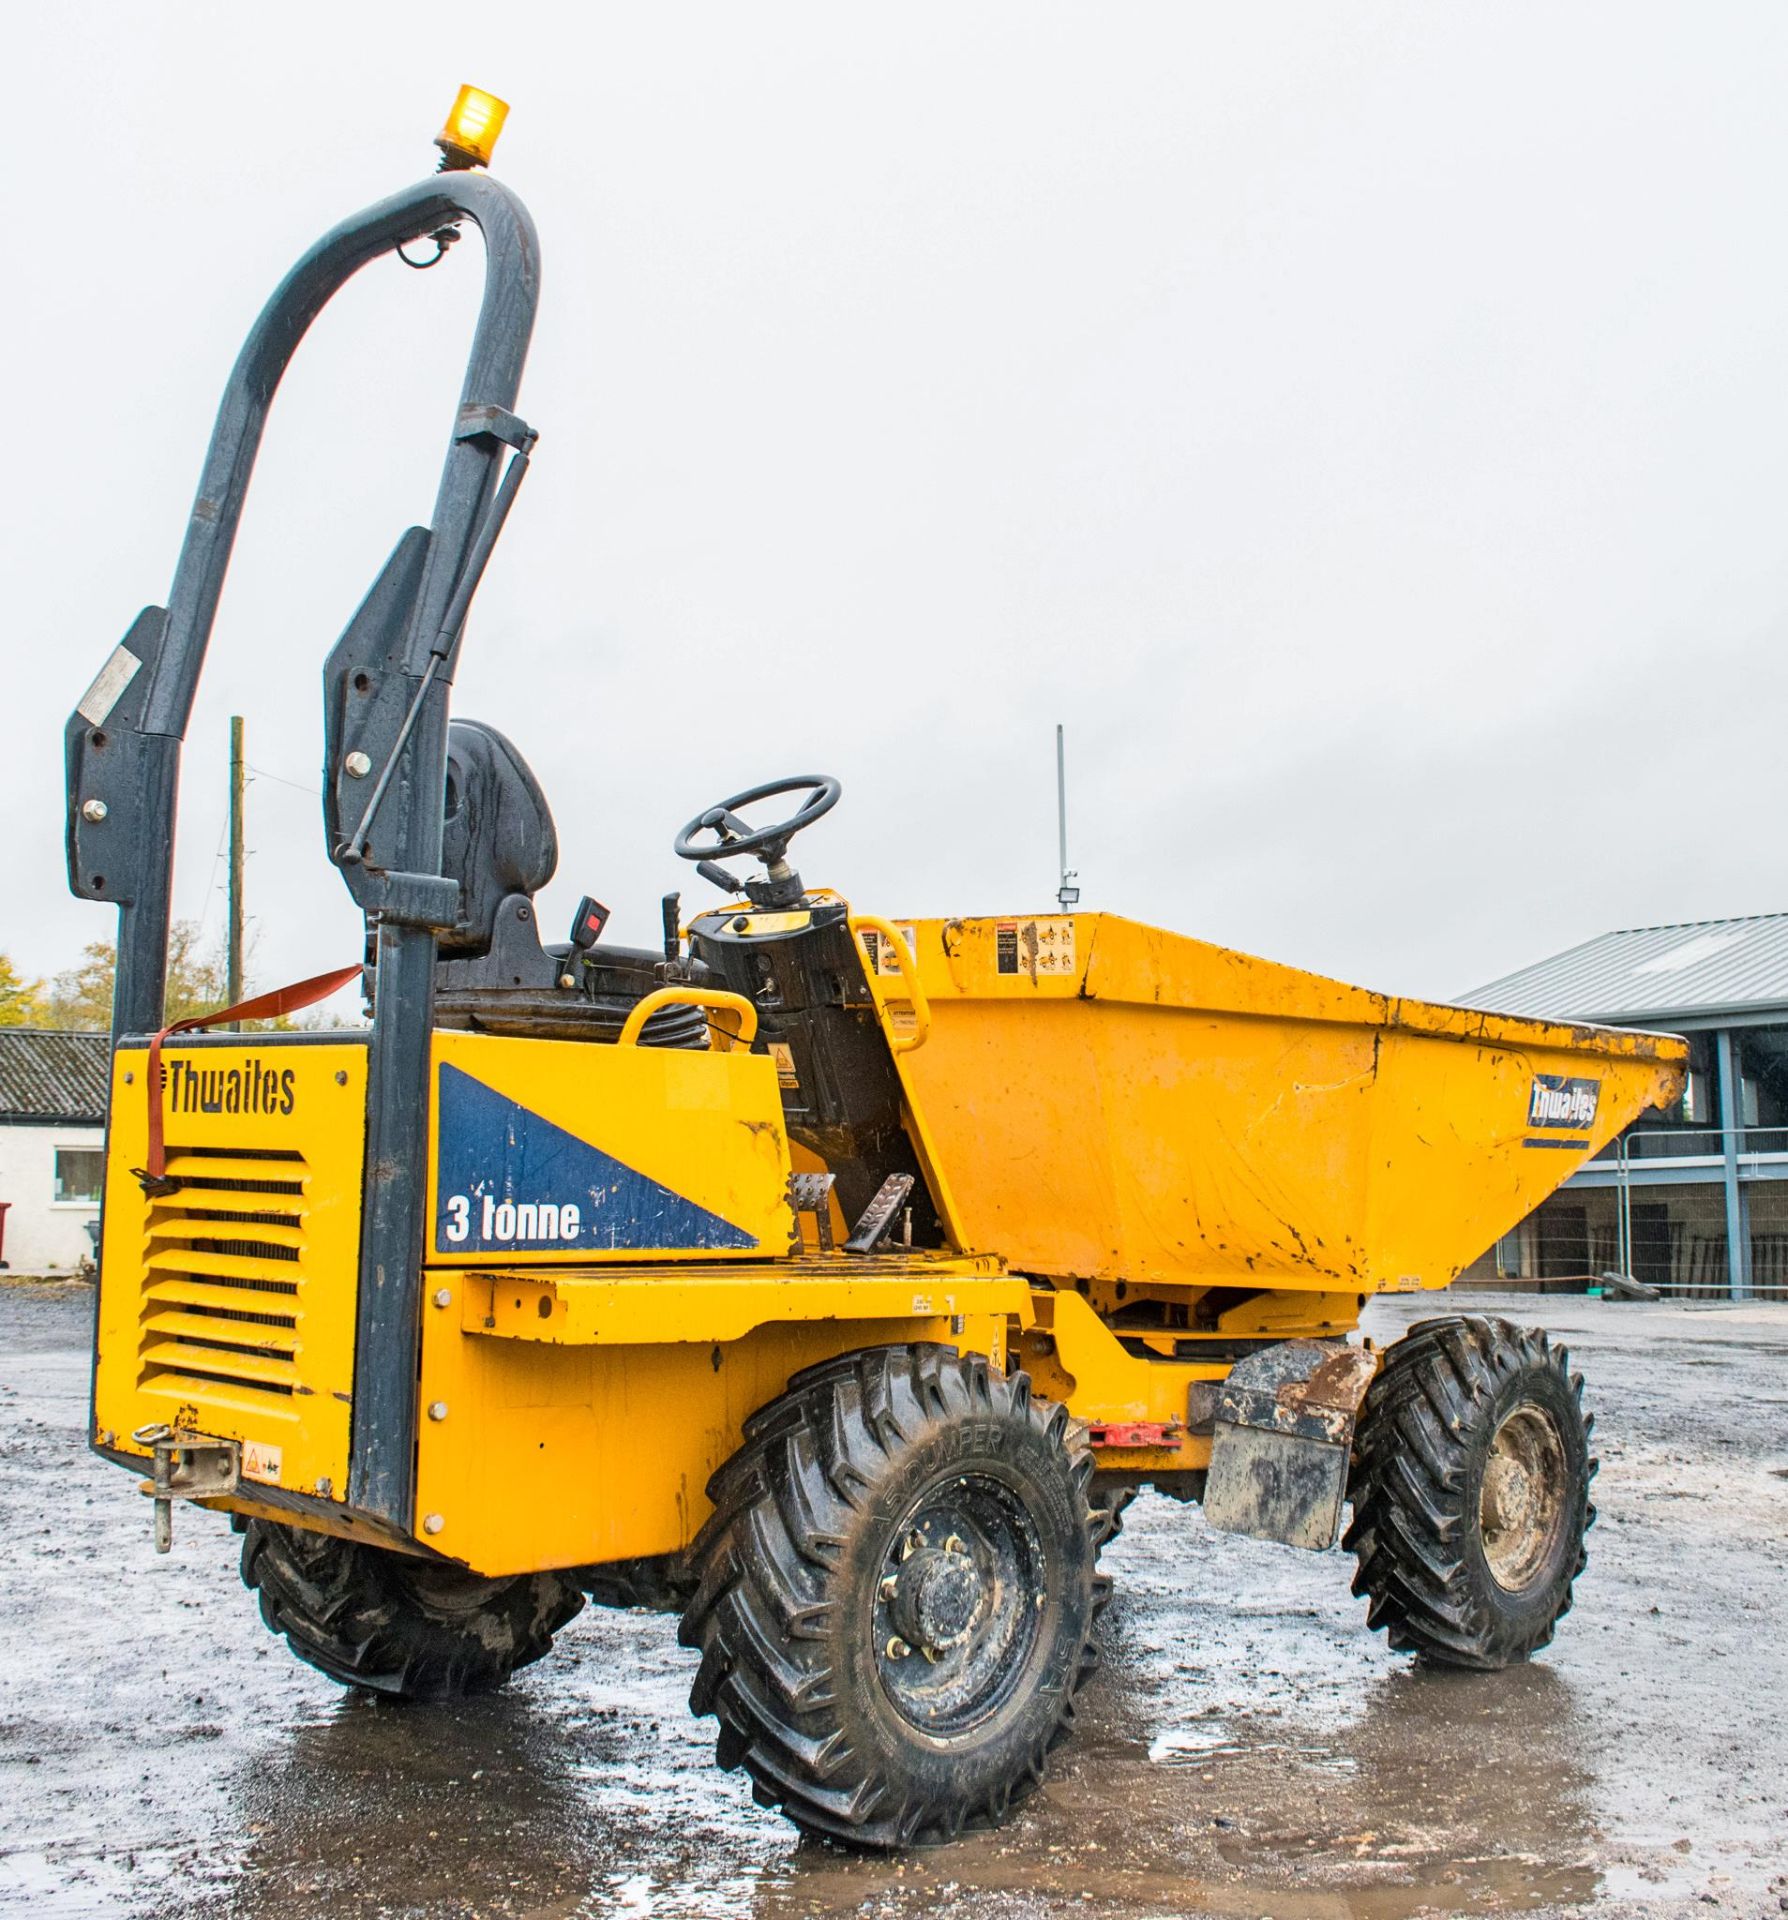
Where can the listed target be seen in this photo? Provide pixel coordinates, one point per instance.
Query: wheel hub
(958, 1605)
(937, 1597)
(1521, 1506)
(1510, 1495)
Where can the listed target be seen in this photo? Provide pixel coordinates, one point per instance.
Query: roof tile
(53, 1076)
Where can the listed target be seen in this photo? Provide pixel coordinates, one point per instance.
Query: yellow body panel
(582, 1405)
(227, 1306)
(1111, 1101)
(615, 1279)
(588, 1432)
(645, 1305)
(664, 1154)
(1073, 1356)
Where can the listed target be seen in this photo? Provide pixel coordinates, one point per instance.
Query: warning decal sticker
(1034, 947)
(883, 960)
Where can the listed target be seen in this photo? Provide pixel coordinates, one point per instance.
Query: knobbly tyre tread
(349, 1610)
(786, 1508)
(1421, 1444)
(659, 1583)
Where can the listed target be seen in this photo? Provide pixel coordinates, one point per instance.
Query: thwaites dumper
(831, 1279)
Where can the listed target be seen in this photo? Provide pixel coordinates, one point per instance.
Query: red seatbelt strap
(264, 1006)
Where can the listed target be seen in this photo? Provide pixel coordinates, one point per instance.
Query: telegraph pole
(238, 794)
(1066, 894)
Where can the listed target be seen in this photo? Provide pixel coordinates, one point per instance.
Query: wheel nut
(889, 1587)
(897, 1649)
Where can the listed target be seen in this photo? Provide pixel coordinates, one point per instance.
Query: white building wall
(43, 1235)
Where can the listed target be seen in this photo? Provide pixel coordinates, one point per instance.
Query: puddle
(1197, 1746)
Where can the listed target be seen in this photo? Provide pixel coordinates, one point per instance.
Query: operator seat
(494, 974)
(497, 836)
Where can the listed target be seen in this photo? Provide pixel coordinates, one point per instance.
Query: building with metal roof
(52, 1145)
(1695, 1200)
(1699, 970)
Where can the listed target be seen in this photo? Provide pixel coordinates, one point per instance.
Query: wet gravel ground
(1248, 1749)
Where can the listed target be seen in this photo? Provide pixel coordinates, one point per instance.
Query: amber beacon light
(470, 135)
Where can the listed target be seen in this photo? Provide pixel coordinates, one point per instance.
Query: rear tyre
(1471, 1492)
(897, 1591)
(395, 1623)
(658, 1583)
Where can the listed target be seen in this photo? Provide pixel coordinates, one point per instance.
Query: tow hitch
(187, 1466)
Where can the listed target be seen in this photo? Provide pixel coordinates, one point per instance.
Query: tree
(81, 997)
(21, 1001)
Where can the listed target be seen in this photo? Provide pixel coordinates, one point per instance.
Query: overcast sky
(1365, 426)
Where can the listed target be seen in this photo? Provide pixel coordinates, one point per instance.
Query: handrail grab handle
(884, 930)
(710, 997)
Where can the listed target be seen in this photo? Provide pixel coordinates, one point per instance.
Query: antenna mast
(1066, 894)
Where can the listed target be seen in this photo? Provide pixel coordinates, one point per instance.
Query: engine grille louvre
(224, 1275)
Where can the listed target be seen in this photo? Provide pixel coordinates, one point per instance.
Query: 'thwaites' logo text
(250, 1087)
(1561, 1101)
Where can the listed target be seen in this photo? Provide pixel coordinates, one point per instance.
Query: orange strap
(264, 1006)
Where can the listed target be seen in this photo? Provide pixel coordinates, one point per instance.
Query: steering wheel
(733, 835)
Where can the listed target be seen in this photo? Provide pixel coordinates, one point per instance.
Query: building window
(1697, 1108)
(1763, 1068)
(79, 1172)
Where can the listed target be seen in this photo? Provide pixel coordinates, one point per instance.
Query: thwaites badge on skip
(1038, 948)
(1559, 1101)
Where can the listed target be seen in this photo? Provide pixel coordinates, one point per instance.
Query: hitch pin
(162, 1439)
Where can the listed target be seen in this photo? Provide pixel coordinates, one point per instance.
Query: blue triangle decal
(511, 1182)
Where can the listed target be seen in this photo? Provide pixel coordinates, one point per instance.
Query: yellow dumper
(829, 1278)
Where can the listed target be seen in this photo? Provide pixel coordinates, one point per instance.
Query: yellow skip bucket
(1099, 1099)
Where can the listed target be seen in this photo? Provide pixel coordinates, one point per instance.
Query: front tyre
(397, 1623)
(1471, 1492)
(897, 1595)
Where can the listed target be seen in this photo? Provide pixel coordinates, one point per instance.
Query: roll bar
(387, 685)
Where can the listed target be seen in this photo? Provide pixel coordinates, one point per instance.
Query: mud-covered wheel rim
(956, 1615)
(1521, 1505)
